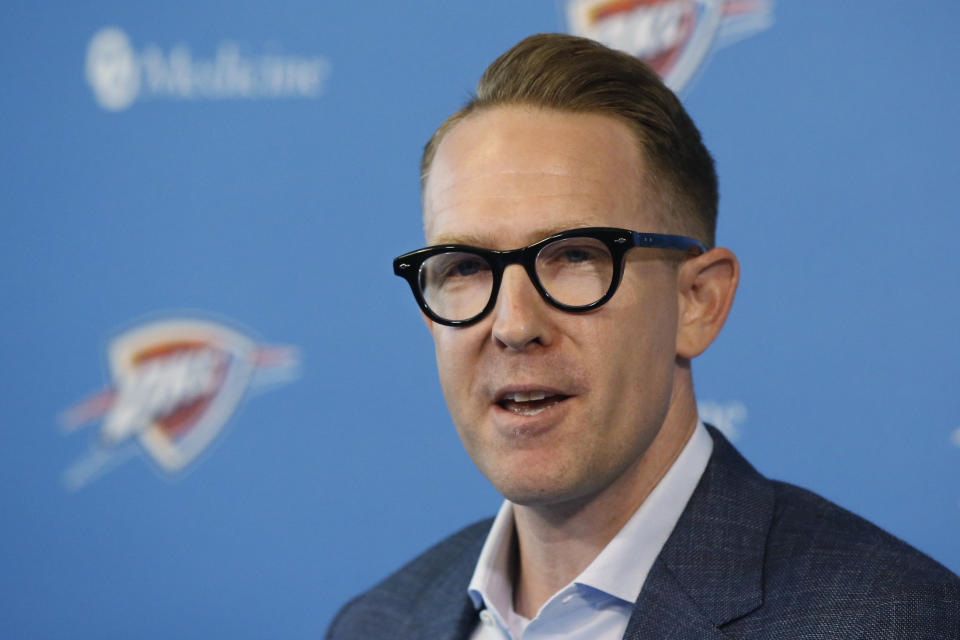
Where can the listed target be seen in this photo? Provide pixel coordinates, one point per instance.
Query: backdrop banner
(222, 415)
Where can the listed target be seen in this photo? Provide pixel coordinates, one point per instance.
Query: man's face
(504, 178)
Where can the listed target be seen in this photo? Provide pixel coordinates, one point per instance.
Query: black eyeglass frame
(617, 241)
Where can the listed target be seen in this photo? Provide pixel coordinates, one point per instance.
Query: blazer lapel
(443, 610)
(709, 572)
(455, 619)
(665, 611)
(711, 569)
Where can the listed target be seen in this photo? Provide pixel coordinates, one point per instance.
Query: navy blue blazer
(749, 558)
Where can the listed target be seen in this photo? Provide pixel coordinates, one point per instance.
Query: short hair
(567, 73)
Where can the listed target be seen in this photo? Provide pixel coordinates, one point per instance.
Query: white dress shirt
(598, 603)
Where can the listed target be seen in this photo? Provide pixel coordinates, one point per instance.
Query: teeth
(528, 412)
(522, 396)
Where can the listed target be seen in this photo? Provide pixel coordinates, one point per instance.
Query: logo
(119, 75)
(175, 385)
(725, 416)
(674, 37)
(112, 69)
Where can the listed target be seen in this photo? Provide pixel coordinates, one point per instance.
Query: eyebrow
(476, 241)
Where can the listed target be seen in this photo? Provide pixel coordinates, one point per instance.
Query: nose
(520, 317)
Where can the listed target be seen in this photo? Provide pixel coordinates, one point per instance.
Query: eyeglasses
(576, 270)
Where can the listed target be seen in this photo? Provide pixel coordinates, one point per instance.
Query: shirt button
(487, 618)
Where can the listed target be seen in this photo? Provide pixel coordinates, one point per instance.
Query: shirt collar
(491, 583)
(622, 567)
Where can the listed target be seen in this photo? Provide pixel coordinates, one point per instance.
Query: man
(571, 278)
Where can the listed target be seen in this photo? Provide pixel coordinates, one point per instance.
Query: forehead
(511, 175)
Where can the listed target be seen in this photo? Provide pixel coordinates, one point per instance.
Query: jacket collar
(711, 569)
(443, 610)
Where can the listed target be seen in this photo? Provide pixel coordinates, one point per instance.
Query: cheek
(635, 346)
(454, 364)
(446, 360)
(650, 312)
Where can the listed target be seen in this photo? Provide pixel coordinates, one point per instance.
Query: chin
(537, 493)
(538, 477)
(522, 491)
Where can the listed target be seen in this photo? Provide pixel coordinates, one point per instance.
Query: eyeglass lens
(575, 272)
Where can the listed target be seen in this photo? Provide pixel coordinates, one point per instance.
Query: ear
(707, 285)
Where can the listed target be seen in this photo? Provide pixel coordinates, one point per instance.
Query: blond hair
(567, 73)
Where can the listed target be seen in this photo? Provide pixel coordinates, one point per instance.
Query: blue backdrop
(256, 165)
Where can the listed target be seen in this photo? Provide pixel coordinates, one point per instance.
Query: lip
(514, 426)
(503, 392)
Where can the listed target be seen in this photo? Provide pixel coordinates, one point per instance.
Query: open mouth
(529, 403)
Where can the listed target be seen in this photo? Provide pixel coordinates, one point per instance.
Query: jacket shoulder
(430, 588)
(766, 559)
(811, 534)
(825, 564)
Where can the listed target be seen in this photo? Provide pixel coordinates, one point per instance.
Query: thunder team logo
(175, 384)
(673, 36)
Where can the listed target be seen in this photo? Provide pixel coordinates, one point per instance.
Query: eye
(578, 254)
(467, 267)
(573, 251)
(461, 265)
(453, 269)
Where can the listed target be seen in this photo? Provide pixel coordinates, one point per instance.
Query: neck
(556, 542)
